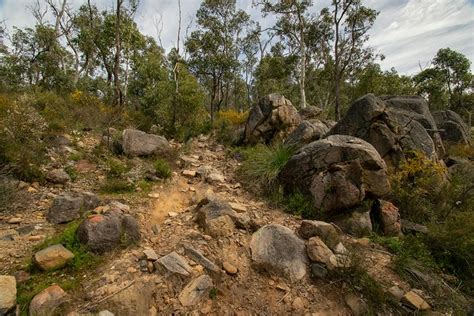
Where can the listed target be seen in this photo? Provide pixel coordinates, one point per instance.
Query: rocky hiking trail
(197, 254)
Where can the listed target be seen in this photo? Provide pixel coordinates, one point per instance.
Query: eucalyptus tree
(214, 48)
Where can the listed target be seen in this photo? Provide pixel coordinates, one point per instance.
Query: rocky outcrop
(138, 143)
(393, 126)
(452, 128)
(310, 112)
(307, 132)
(53, 257)
(101, 233)
(336, 173)
(273, 117)
(68, 206)
(276, 249)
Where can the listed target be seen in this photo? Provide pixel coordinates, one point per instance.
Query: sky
(407, 32)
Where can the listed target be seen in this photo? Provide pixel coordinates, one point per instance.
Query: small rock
(156, 229)
(356, 223)
(131, 270)
(58, 176)
(357, 305)
(7, 293)
(173, 263)
(119, 206)
(214, 177)
(15, 220)
(388, 216)
(229, 268)
(327, 232)
(154, 195)
(172, 214)
(50, 301)
(32, 190)
(53, 257)
(318, 271)
(298, 304)
(150, 254)
(196, 290)
(413, 300)
(410, 227)
(8, 235)
(35, 238)
(318, 251)
(239, 208)
(189, 173)
(395, 293)
(197, 256)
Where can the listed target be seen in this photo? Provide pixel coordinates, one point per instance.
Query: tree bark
(118, 48)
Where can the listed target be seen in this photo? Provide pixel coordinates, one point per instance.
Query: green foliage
(22, 148)
(213, 293)
(116, 168)
(416, 183)
(70, 276)
(298, 204)
(393, 244)
(71, 171)
(162, 168)
(262, 165)
(116, 186)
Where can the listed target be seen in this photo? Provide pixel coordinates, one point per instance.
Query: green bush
(162, 169)
(116, 168)
(261, 166)
(22, 148)
(116, 186)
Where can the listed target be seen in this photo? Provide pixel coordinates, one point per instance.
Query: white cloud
(407, 32)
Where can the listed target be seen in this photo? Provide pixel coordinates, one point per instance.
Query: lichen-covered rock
(453, 129)
(58, 176)
(393, 126)
(50, 301)
(138, 143)
(278, 250)
(273, 117)
(336, 173)
(69, 206)
(53, 257)
(104, 232)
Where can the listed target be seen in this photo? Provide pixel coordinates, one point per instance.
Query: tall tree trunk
(303, 63)
(118, 48)
(176, 72)
(337, 106)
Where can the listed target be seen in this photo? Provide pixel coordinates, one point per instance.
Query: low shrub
(116, 168)
(116, 186)
(8, 193)
(261, 166)
(162, 169)
(22, 148)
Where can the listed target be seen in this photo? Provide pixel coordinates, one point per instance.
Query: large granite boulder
(453, 129)
(278, 250)
(273, 117)
(307, 132)
(138, 143)
(336, 173)
(394, 126)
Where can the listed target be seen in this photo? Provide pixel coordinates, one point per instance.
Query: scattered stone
(154, 195)
(22, 276)
(15, 220)
(53, 257)
(415, 301)
(31, 190)
(273, 117)
(356, 304)
(229, 268)
(195, 291)
(35, 238)
(239, 208)
(318, 251)
(8, 235)
(336, 173)
(388, 216)
(413, 228)
(138, 143)
(277, 249)
(172, 264)
(50, 301)
(58, 176)
(215, 177)
(189, 173)
(150, 254)
(156, 229)
(318, 271)
(119, 206)
(395, 294)
(298, 304)
(172, 214)
(198, 257)
(25, 230)
(327, 232)
(7, 293)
